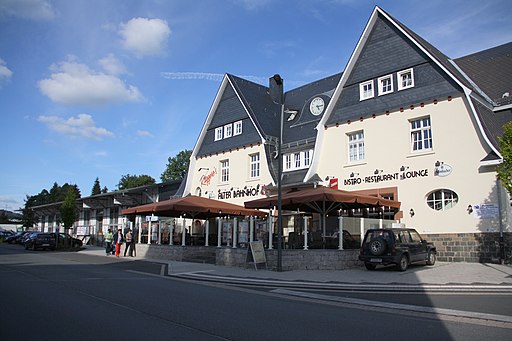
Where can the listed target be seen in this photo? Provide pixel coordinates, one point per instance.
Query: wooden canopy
(192, 206)
(322, 200)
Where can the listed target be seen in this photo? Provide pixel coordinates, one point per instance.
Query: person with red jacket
(118, 239)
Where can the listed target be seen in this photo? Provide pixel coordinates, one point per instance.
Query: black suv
(399, 246)
(40, 240)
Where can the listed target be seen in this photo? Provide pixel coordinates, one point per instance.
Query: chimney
(276, 89)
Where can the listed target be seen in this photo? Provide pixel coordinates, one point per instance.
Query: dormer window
(297, 160)
(218, 133)
(366, 90)
(228, 130)
(405, 79)
(238, 128)
(385, 85)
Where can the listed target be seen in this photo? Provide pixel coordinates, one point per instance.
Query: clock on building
(317, 106)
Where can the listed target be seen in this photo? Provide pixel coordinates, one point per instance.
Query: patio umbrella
(322, 200)
(193, 206)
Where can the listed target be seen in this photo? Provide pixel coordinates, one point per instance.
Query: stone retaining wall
(469, 247)
(293, 259)
(227, 256)
(454, 247)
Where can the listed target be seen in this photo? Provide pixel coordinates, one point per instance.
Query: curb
(466, 288)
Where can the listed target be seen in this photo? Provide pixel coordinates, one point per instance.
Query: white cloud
(28, 9)
(81, 126)
(144, 133)
(74, 83)
(112, 65)
(145, 37)
(5, 73)
(252, 5)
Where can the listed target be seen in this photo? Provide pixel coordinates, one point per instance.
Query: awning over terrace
(193, 207)
(322, 200)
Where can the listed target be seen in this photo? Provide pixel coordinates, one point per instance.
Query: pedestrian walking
(128, 240)
(108, 242)
(118, 239)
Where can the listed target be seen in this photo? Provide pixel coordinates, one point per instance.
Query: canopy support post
(270, 230)
(183, 232)
(207, 232)
(219, 231)
(235, 232)
(251, 229)
(340, 233)
(305, 232)
(138, 221)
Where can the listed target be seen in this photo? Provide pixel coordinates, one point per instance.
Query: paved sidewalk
(442, 276)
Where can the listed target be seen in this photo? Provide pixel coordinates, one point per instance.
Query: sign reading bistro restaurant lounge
(386, 177)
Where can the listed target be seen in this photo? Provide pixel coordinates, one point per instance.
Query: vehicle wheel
(403, 264)
(370, 266)
(377, 247)
(431, 258)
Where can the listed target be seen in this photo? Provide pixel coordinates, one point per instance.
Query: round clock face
(317, 106)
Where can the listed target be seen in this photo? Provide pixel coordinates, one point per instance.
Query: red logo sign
(206, 179)
(333, 183)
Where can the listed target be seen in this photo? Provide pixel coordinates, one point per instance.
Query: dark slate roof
(438, 55)
(492, 122)
(303, 125)
(385, 52)
(262, 109)
(491, 70)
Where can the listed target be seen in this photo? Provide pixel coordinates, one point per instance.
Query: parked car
(65, 240)
(4, 234)
(402, 246)
(17, 238)
(40, 240)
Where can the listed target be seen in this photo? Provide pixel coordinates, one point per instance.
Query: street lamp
(277, 96)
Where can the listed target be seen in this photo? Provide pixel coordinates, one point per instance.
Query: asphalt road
(60, 296)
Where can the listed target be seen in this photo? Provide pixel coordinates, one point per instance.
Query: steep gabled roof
(469, 88)
(263, 111)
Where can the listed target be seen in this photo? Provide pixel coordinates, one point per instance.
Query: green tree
(96, 188)
(177, 166)
(131, 181)
(69, 210)
(3, 218)
(45, 197)
(504, 170)
(104, 190)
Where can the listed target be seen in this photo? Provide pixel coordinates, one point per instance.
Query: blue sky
(106, 88)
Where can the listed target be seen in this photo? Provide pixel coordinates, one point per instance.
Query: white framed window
(287, 161)
(238, 128)
(356, 146)
(297, 160)
(219, 133)
(366, 90)
(421, 134)
(307, 158)
(442, 199)
(385, 85)
(224, 171)
(405, 79)
(228, 130)
(254, 165)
